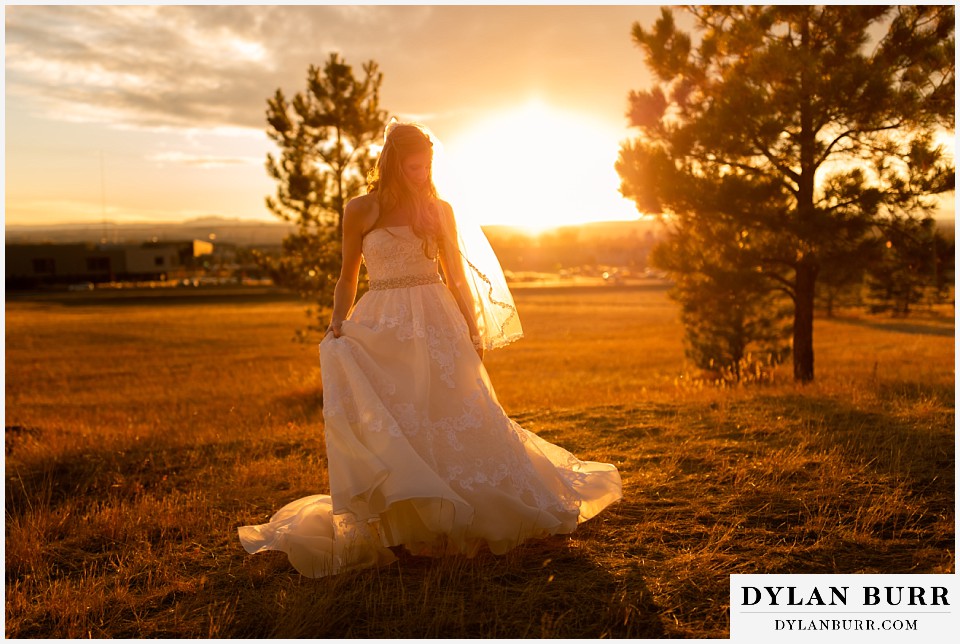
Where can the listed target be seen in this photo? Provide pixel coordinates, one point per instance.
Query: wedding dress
(420, 452)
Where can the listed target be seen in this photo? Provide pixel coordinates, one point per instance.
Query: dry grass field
(140, 434)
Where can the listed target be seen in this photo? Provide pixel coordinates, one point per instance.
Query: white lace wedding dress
(420, 452)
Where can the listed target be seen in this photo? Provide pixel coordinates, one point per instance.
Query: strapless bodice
(396, 253)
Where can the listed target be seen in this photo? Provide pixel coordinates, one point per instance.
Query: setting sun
(534, 167)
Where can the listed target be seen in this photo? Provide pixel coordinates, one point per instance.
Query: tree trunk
(803, 322)
(338, 203)
(339, 169)
(806, 268)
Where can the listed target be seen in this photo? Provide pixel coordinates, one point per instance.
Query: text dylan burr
(837, 596)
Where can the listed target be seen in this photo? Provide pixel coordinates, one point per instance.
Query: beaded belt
(405, 281)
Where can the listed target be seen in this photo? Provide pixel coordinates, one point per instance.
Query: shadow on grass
(145, 469)
(855, 490)
(888, 442)
(547, 588)
(912, 328)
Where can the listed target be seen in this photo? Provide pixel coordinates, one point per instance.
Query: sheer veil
(478, 278)
(475, 271)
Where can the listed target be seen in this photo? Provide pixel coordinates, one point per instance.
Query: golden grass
(139, 436)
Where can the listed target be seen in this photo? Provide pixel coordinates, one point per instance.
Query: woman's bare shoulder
(445, 205)
(446, 210)
(361, 212)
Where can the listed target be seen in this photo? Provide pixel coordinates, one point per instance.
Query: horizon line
(267, 222)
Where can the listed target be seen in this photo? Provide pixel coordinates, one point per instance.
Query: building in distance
(33, 266)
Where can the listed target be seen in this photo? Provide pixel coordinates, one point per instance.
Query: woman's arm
(453, 270)
(354, 220)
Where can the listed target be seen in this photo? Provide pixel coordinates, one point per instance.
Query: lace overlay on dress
(394, 253)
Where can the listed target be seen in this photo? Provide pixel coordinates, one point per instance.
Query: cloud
(204, 161)
(190, 66)
(151, 66)
(206, 66)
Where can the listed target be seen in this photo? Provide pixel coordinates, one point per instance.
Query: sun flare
(534, 167)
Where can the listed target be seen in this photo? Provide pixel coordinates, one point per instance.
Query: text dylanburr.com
(847, 608)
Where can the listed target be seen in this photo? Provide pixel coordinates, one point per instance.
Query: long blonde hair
(385, 179)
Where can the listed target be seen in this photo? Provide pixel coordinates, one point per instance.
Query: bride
(421, 454)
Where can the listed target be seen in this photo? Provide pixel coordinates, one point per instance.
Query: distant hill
(242, 232)
(249, 232)
(589, 231)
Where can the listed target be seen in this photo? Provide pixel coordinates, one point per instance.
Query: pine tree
(832, 131)
(903, 269)
(734, 315)
(326, 137)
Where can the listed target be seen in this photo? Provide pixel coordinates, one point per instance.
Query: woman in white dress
(421, 454)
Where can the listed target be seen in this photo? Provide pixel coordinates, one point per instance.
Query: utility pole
(103, 200)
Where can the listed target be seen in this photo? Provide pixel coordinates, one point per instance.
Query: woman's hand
(335, 327)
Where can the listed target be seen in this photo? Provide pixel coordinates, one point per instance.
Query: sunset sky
(169, 102)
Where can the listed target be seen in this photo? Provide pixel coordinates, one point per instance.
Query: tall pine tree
(325, 137)
(805, 128)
